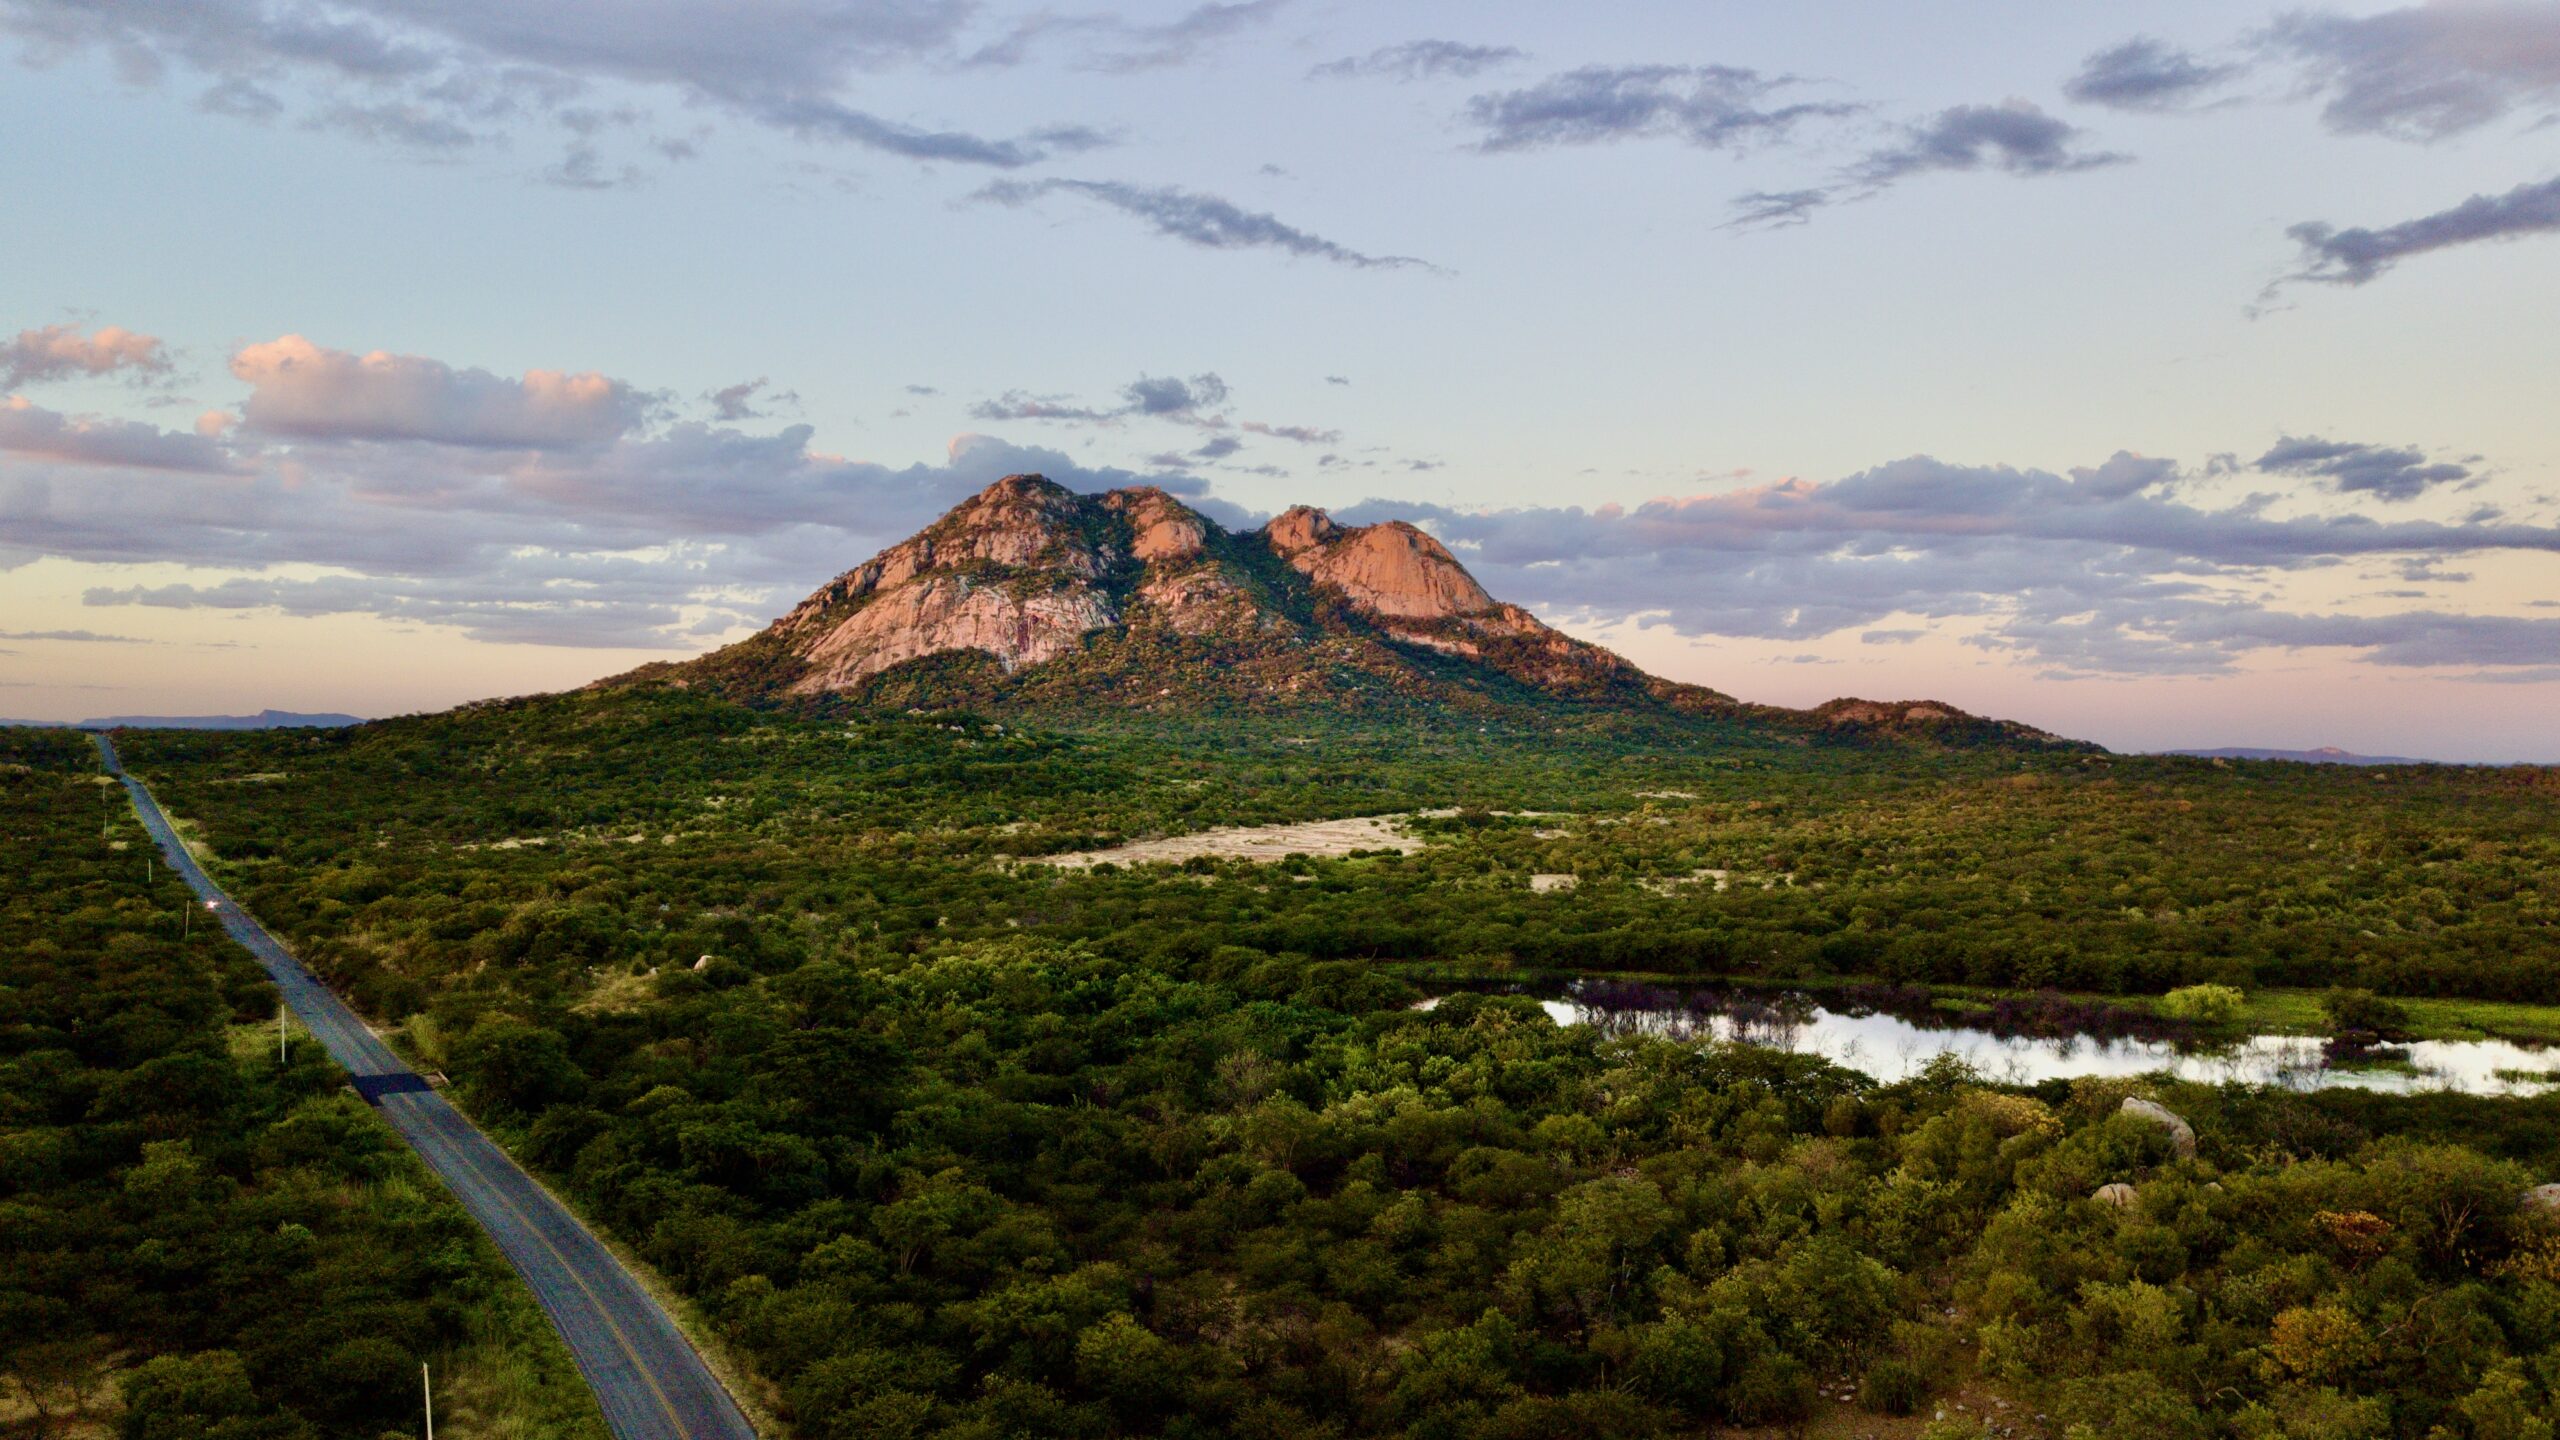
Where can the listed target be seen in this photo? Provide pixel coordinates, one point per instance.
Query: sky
(2179, 375)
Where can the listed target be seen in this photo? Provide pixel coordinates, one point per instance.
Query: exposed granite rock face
(1390, 570)
(1014, 571)
(1162, 530)
(950, 612)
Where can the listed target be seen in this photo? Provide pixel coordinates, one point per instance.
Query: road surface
(648, 1379)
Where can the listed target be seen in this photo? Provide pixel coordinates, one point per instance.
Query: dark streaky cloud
(2016, 138)
(1421, 60)
(446, 77)
(743, 401)
(2331, 256)
(1203, 220)
(2392, 473)
(1711, 106)
(2146, 74)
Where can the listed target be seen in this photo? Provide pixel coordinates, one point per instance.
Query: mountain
(263, 720)
(2325, 755)
(1029, 596)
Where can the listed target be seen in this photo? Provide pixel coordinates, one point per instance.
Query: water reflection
(1891, 1047)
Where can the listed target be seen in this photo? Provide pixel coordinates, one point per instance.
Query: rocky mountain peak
(1162, 530)
(1134, 599)
(1298, 529)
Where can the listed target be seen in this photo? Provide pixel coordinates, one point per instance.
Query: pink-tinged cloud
(307, 391)
(60, 352)
(31, 431)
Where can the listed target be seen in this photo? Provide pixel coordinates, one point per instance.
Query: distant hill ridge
(1030, 596)
(263, 720)
(2324, 755)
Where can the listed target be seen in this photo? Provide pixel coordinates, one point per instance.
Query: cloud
(2013, 138)
(1203, 220)
(1114, 45)
(1711, 106)
(1159, 397)
(2124, 474)
(1420, 60)
(448, 77)
(1303, 434)
(1149, 395)
(646, 541)
(300, 389)
(58, 352)
(2391, 473)
(2425, 72)
(2331, 256)
(732, 403)
(1778, 207)
(1197, 401)
(2146, 74)
(1217, 448)
(29, 430)
(2084, 573)
(554, 511)
(812, 118)
(581, 167)
(1177, 42)
(1022, 405)
(410, 126)
(85, 637)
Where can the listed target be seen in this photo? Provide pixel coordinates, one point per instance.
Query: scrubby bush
(2211, 1006)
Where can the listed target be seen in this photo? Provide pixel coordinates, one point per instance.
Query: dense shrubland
(951, 1146)
(195, 1240)
(614, 827)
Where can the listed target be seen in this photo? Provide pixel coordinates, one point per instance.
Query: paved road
(647, 1377)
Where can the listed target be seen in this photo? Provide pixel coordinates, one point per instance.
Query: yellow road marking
(604, 1312)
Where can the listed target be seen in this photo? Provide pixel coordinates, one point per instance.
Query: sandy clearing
(1323, 838)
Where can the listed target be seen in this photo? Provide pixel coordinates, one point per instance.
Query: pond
(1896, 1043)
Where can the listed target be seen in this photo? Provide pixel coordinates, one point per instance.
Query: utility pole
(280, 1014)
(427, 1382)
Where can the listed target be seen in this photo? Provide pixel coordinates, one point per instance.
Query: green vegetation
(2361, 1012)
(948, 1144)
(195, 1240)
(2212, 1006)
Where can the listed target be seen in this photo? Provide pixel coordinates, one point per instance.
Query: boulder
(2544, 1198)
(2182, 1135)
(2118, 1194)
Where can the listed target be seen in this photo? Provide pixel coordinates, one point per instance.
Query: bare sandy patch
(1315, 838)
